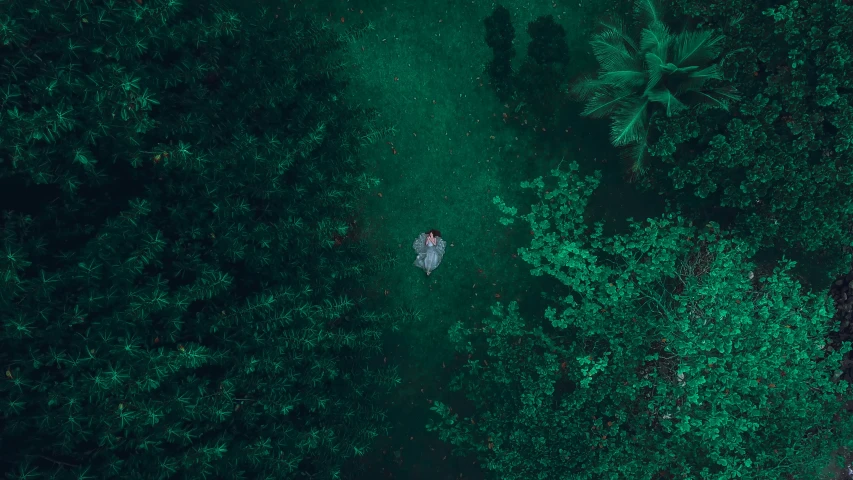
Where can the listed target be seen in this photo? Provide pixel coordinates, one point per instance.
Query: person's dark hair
(434, 232)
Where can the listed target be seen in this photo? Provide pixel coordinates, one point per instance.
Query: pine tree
(180, 180)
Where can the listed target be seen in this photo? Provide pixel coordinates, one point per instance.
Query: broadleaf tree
(662, 357)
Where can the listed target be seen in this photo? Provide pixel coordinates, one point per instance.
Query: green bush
(663, 357)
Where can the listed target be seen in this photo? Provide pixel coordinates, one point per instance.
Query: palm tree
(662, 73)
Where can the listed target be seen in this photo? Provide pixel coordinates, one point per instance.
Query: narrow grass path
(422, 68)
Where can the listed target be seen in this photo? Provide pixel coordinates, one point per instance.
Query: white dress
(429, 256)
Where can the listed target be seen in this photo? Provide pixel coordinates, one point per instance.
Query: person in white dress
(430, 248)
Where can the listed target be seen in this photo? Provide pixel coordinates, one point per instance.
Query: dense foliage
(178, 188)
(781, 159)
(665, 357)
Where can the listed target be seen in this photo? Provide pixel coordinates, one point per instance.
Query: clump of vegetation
(658, 73)
(664, 357)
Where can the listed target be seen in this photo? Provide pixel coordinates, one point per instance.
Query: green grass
(422, 68)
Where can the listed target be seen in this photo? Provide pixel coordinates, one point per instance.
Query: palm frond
(656, 39)
(649, 11)
(696, 47)
(711, 72)
(654, 70)
(721, 97)
(628, 78)
(615, 30)
(696, 79)
(605, 101)
(584, 88)
(635, 156)
(687, 85)
(629, 122)
(667, 99)
(611, 52)
(736, 19)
